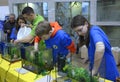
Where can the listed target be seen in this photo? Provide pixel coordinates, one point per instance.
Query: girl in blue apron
(100, 55)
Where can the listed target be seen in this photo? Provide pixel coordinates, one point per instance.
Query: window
(108, 10)
(65, 11)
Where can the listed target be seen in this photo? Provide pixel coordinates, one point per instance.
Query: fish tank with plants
(38, 61)
(11, 52)
(79, 74)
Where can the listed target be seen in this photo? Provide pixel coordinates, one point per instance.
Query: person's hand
(12, 41)
(94, 72)
(68, 60)
(32, 56)
(23, 24)
(68, 56)
(29, 25)
(16, 41)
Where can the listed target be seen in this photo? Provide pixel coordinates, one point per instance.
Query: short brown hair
(43, 28)
(27, 10)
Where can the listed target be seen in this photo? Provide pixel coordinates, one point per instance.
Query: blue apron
(108, 68)
(59, 43)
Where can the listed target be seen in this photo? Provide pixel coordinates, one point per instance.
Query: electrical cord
(53, 65)
(7, 72)
(55, 72)
(49, 73)
(36, 77)
(20, 70)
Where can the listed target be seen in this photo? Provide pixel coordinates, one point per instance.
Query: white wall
(5, 11)
(3, 2)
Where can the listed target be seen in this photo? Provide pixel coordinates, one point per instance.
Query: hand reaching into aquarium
(68, 60)
(32, 55)
(68, 56)
(16, 41)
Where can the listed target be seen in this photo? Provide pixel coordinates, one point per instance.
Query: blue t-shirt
(59, 44)
(13, 34)
(108, 68)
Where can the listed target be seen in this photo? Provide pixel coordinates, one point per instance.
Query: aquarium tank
(11, 52)
(79, 73)
(38, 61)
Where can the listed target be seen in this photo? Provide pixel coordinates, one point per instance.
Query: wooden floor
(78, 61)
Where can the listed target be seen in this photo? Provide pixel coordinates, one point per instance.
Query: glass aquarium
(37, 61)
(11, 52)
(78, 74)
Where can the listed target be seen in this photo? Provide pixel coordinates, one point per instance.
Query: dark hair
(78, 21)
(42, 28)
(22, 18)
(27, 10)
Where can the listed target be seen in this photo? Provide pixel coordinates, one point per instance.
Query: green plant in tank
(43, 57)
(38, 59)
(29, 54)
(79, 74)
(12, 52)
(41, 45)
(39, 55)
(15, 53)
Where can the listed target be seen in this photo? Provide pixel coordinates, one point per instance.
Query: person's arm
(99, 52)
(36, 43)
(71, 48)
(35, 46)
(13, 35)
(26, 39)
(27, 25)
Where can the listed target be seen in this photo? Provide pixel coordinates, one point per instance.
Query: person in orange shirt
(56, 38)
